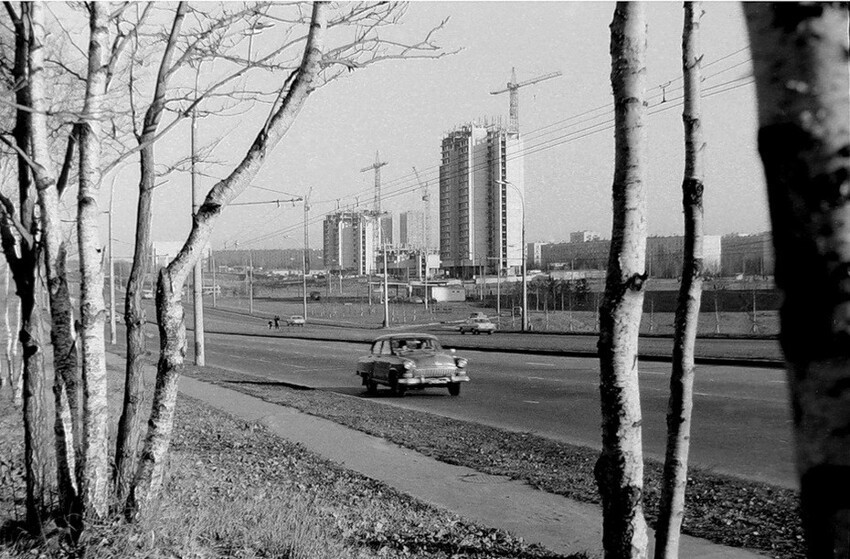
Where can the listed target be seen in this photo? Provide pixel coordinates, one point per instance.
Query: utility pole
(306, 248)
(113, 337)
(250, 277)
(426, 219)
(215, 284)
(386, 286)
(197, 273)
(376, 208)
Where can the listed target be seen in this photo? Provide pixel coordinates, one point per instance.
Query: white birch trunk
(17, 372)
(801, 61)
(95, 483)
(67, 425)
(619, 470)
(172, 328)
(8, 336)
(129, 428)
(675, 477)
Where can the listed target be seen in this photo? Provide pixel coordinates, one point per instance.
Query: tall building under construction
(481, 201)
(348, 242)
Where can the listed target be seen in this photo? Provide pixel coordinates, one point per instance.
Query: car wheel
(490, 333)
(371, 387)
(461, 332)
(454, 388)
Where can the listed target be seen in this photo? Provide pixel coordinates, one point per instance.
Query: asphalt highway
(741, 415)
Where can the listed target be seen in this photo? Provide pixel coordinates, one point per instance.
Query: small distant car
(409, 362)
(477, 326)
(147, 294)
(477, 315)
(295, 320)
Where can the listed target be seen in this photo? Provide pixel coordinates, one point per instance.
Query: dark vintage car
(411, 361)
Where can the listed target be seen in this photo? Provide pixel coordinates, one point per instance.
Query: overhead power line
(408, 183)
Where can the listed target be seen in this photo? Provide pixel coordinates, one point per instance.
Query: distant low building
(584, 236)
(663, 255)
(747, 255)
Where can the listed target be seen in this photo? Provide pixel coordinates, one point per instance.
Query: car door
(366, 365)
(384, 361)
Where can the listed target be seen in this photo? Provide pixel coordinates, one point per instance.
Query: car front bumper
(432, 381)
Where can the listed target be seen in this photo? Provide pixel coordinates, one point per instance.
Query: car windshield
(482, 320)
(403, 345)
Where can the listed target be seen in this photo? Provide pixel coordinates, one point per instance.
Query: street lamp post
(524, 271)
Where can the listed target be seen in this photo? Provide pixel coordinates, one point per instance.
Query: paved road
(757, 352)
(741, 423)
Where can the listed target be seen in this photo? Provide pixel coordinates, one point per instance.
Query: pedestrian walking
(276, 322)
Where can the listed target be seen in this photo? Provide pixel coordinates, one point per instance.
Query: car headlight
(408, 365)
(460, 362)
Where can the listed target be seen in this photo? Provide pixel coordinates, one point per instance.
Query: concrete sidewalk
(560, 524)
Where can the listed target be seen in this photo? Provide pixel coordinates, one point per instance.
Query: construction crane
(376, 166)
(512, 87)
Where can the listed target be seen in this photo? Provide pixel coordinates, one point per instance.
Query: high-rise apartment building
(411, 229)
(349, 242)
(481, 201)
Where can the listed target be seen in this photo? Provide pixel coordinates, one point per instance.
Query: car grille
(434, 372)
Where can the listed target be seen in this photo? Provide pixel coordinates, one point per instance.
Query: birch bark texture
(22, 257)
(67, 420)
(680, 405)
(95, 483)
(134, 318)
(619, 469)
(172, 328)
(800, 55)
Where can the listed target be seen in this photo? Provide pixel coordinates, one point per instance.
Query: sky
(402, 109)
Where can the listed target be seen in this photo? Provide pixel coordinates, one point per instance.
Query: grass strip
(720, 508)
(233, 489)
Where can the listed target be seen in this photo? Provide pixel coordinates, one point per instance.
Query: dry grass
(720, 508)
(235, 490)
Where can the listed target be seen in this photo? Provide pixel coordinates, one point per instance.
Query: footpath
(559, 524)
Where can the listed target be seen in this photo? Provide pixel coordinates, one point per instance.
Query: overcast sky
(403, 109)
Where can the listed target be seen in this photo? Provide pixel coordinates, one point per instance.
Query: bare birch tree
(619, 469)
(128, 435)
(95, 482)
(801, 58)
(172, 329)
(19, 230)
(680, 405)
(7, 366)
(357, 49)
(67, 421)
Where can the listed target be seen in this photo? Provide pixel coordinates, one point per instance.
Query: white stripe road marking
(541, 364)
(530, 402)
(264, 360)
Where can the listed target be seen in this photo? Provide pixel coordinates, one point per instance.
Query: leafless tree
(619, 469)
(128, 425)
(675, 477)
(171, 279)
(18, 230)
(67, 422)
(801, 58)
(355, 28)
(95, 483)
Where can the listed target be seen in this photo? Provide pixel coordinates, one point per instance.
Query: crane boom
(512, 87)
